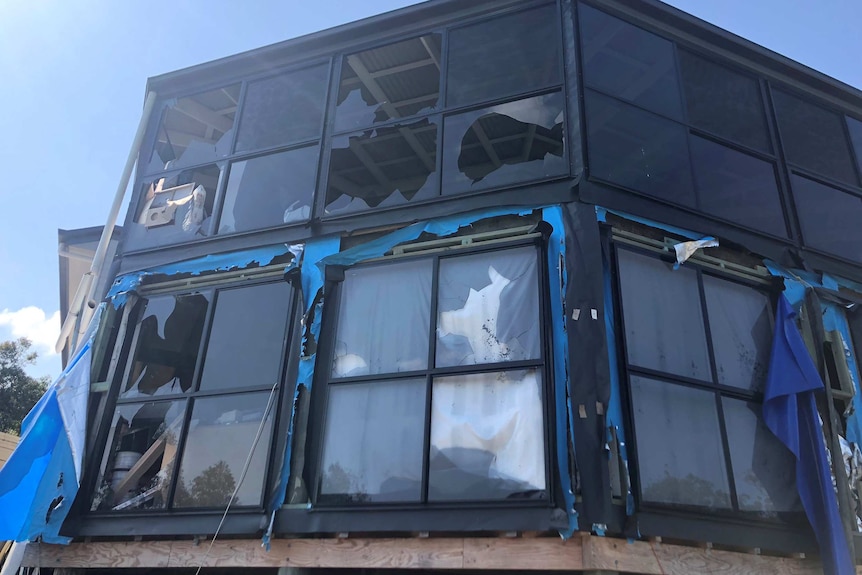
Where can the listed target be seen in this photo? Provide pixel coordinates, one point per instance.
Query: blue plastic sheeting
(39, 482)
(601, 215)
(834, 319)
(790, 412)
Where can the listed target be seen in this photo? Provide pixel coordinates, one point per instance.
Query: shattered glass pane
(283, 109)
(374, 442)
(740, 325)
(383, 167)
(194, 130)
(505, 56)
(220, 436)
(764, 470)
(487, 308)
(664, 327)
(139, 461)
(394, 81)
(253, 320)
(680, 455)
(383, 322)
(487, 437)
(628, 62)
(505, 144)
(829, 218)
(270, 191)
(169, 335)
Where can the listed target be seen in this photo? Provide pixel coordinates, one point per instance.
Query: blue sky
(74, 75)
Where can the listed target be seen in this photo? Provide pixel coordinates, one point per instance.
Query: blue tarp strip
(601, 215)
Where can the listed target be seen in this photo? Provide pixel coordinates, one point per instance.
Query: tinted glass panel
(680, 457)
(383, 167)
(638, 150)
(169, 336)
(855, 128)
(393, 81)
(374, 442)
(741, 327)
(384, 319)
(723, 102)
(247, 337)
(487, 439)
(508, 55)
(269, 191)
(814, 138)
(505, 144)
(662, 315)
(282, 109)
(628, 62)
(737, 187)
(487, 308)
(830, 218)
(139, 462)
(220, 436)
(195, 130)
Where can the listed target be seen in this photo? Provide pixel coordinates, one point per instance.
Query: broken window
(188, 447)
(436, 388)
(829, 218)
(505, 144)
(194, 130)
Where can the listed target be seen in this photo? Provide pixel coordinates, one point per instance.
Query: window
(829, 218)
(435, 391)
(697, 349)
(189, 406)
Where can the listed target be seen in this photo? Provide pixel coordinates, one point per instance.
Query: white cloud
(32, 323)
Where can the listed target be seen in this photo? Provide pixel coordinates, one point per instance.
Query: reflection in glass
(250, 320)
(829, 218)
(194, 130)
(628, 62)
(383, 322)
(283, 109)
(680, 456)
(740, 326)
(737, 187)
(505, 144)
(220, 435)
(169, 335)
(373, 445)
(382, 167)
(487, 308)
(138, 464)
(269, 191)
(389, 82)
(854, 126)
(664, 327)
(504, 56)
(487, 437)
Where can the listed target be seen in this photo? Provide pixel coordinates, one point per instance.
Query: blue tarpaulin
(791, 413)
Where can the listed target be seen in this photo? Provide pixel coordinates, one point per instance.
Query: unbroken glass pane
(220, 436)
(814, 138)
(680, 455)
(383, 167)
(505, 56)
(393, 81)
(270, 191)
(373, 442)
(855, 128)
(829, 218)
(628, 62)
(488, 308)
(662, 316)
(741, 328)
(384, 319)
(505, 144)
(283, 109)
(487, 438)
(246, 342)
(194, 130)
(764, 470)
(169, 335)
(139, 461)
(638, 150)
(737, 187)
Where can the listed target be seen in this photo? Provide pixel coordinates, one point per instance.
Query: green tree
(18, 391)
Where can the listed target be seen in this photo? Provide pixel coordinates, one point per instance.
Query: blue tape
(602, 216)
(834, 319)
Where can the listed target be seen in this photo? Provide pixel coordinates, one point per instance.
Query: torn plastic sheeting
(684, 250)
(601, 215)
(835, 320)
